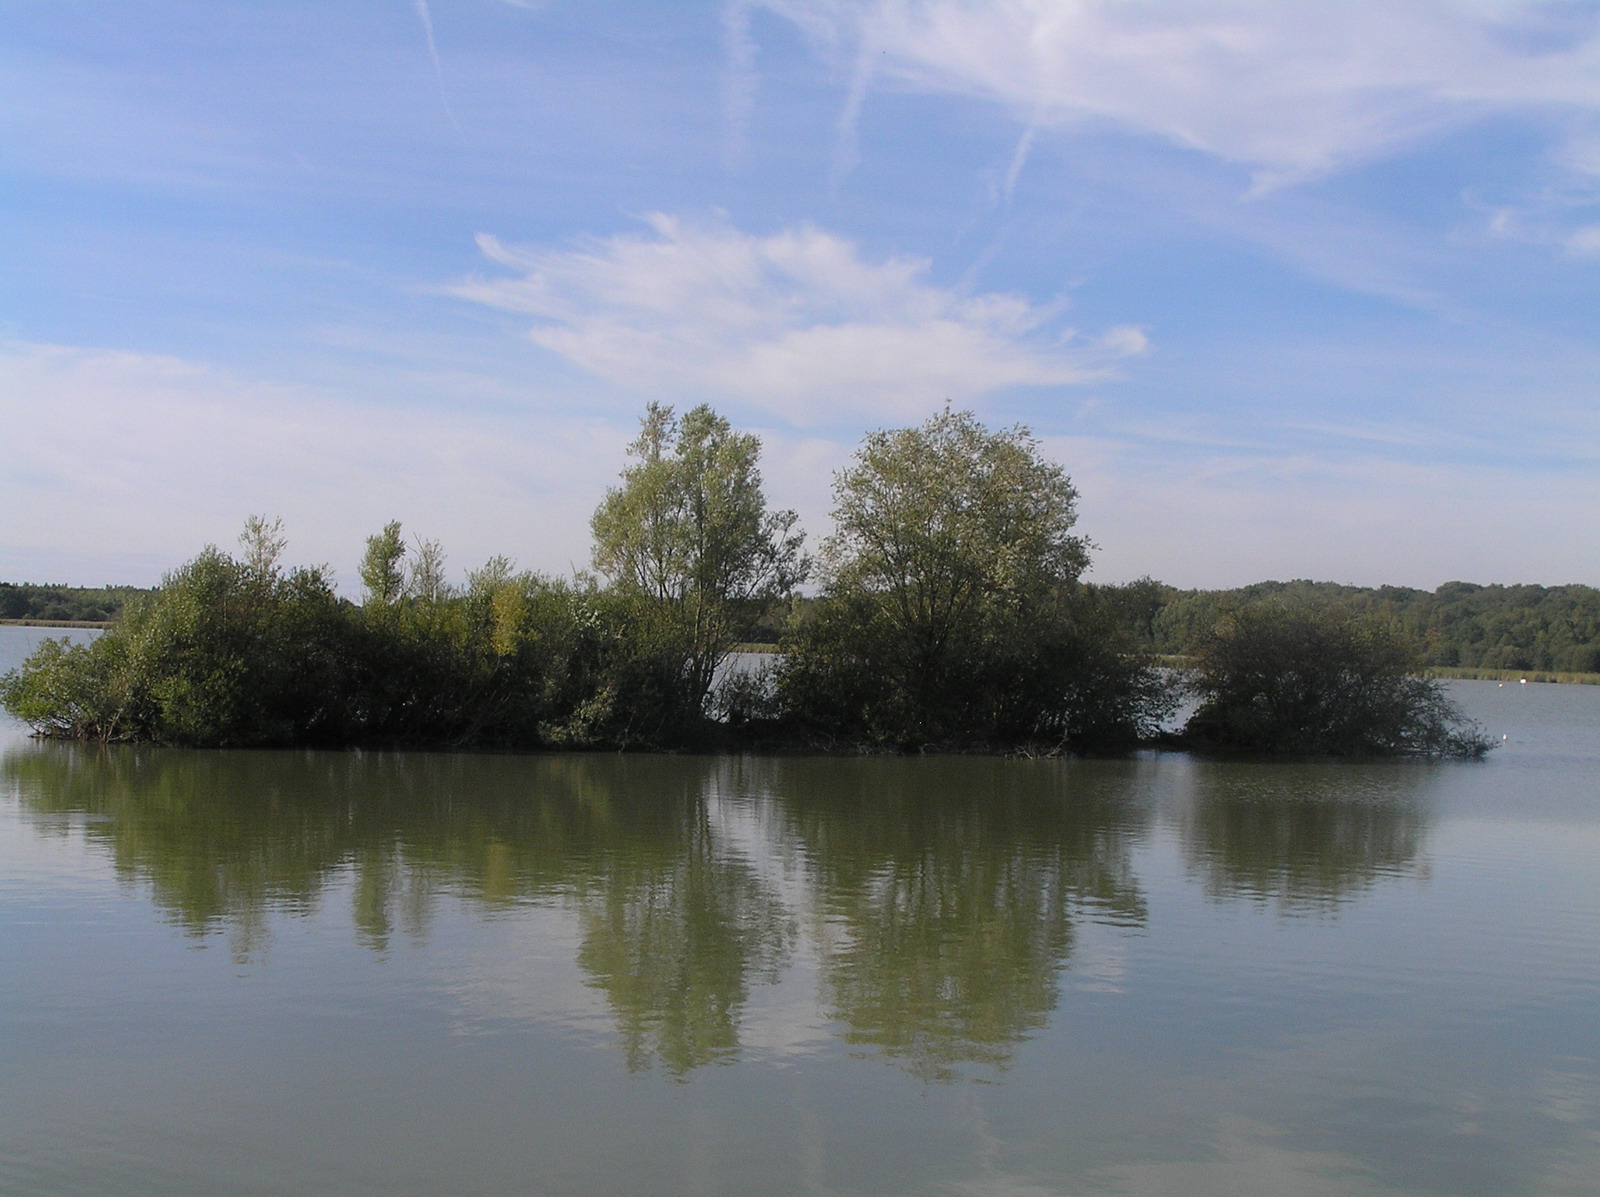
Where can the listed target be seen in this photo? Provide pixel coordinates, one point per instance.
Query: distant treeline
(1459, 625)
(91, 604)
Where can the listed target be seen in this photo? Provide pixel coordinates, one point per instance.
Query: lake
(387, 972)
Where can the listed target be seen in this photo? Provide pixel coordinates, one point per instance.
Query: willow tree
(950, 608)
(688, 539)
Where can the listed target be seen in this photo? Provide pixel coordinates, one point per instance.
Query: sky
(1290, 290)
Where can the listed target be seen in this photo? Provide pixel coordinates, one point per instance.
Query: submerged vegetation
(951, 615)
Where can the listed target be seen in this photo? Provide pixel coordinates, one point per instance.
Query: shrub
(1279, 678)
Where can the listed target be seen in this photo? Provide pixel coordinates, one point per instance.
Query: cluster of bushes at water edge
(950, 615)
(233, 652)
(1274, 677)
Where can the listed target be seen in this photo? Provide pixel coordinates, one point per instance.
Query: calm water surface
(298, 972)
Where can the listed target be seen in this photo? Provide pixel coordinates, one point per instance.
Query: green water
(437, 973)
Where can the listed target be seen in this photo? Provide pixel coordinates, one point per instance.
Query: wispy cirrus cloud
(1287, 90)
(796, 323)
(1567, 217)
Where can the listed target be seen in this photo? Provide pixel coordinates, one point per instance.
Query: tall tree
(947, 520)
(263, 543)
(950, 609)
(426, 581)
(688, 533)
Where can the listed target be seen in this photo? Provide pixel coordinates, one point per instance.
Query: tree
(426, 581)
(951, 609)
(263, 543)
(382, 573)
(688, 535)
(1277, 677)
(947, 519)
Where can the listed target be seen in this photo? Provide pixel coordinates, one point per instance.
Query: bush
(1278, 678)
(67, 689)
(232, 652)
(1057, 676)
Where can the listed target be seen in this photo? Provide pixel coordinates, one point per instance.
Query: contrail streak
(738, 80)
(420, 7)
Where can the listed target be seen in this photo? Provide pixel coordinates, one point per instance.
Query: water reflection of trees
(219, 843)
(946, 889)
(218, 835)
(1303, 836)
(676, 928)
(943, 893)
(675, 935)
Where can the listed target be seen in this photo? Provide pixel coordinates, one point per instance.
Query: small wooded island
(950, 615)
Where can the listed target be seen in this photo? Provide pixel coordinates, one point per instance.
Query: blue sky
(1291, 290)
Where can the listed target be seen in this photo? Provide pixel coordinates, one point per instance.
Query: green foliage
(263, 543)
(1281, 678)
(514, 660)
(382, 576)
(1059, 677)
(1459, 625)
(63, 604)
(239, 652)
(65, 690)
(689, 545)
(948, 519)
(951, 612)
(225, 652)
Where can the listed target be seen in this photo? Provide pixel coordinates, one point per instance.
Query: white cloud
(1585, 241)
(796, 323)
(1581, 152)
(120, 466)
(420, 7)
(1289, 90)
(1560, 217)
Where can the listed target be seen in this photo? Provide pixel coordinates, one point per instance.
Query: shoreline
(101, 624)
(1468, 673)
